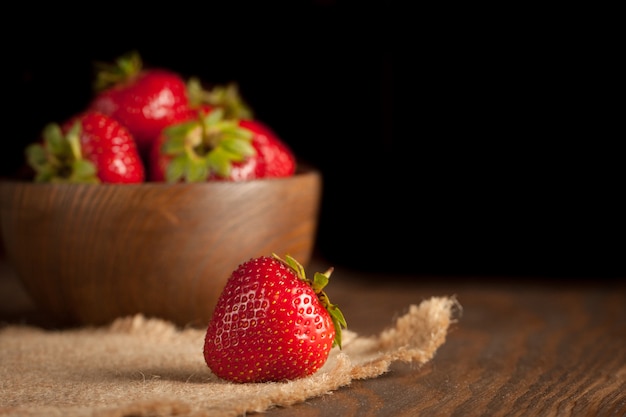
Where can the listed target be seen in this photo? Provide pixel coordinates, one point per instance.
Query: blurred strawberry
(275, 158)
(143, 100)
(205, 147)
(272, 158)
(209, 147)
(89, 148)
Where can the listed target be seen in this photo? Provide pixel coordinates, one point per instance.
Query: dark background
(453, 141)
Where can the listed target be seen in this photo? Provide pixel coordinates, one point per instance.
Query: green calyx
(206, 145)
(124, 68)
(59, 158)
(320, 280)
(225, 97)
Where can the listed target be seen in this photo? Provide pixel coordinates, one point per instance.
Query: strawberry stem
(73, 138)
(124, 68)
(59, 158)
(206, 145)
(226, 97)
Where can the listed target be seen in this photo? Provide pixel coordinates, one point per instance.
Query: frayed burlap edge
(148, 367)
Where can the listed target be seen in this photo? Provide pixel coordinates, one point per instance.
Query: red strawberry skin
(110, 147)
(268, 325)
(157, 160)
(276, 158)
(145, 103)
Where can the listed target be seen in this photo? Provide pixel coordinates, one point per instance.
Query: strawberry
(271, 323)
(211, 148)
(205, 147)
(209, 155)
(143, 100)
(90, 147)
(277, 159)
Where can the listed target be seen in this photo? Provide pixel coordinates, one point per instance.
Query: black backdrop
(450, 141)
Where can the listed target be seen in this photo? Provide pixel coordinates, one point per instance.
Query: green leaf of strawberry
(111, 74)
(195, 150)
(271, 323)
(88, 148)
(225, 97)
(59, 157)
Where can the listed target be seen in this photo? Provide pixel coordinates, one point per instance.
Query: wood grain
(520, 348)
(90, 253)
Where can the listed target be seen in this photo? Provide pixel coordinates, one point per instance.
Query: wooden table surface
(522, 347)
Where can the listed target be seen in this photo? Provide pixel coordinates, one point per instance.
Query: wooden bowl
(88, 254)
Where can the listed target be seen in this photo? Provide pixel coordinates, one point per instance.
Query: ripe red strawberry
(202, 148)
(143, 100)
(90, 147)
(271, 323)
(276, 158)
(210, 147)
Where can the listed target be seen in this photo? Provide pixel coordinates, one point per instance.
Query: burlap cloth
(148, 367)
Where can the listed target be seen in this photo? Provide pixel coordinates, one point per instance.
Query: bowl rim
(302, 170)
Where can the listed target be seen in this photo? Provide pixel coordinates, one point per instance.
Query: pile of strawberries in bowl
(154, 125)
(147, 199)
